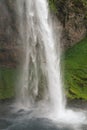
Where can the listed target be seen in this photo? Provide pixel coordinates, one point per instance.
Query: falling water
(52, 63)
(40, 72)
(36, 30)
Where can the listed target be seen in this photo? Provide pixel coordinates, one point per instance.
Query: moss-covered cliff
(73, 17)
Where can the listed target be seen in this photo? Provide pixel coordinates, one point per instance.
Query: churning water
(40, 87)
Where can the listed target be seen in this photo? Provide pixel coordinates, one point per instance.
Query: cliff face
(74, 30)
(73, 20)
(8, 34)
(71, 16)
(7, 25)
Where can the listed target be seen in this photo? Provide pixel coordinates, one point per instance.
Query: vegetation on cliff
(75, 74)
(76, 71)
(7, 82)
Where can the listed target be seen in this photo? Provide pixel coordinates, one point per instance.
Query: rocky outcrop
(73, 16)
(74, 30)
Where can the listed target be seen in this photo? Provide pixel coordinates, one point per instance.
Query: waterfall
(35, 30)
(40, 78)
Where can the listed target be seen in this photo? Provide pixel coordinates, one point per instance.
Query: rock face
(73, 24)
(73, 16)
(74, 30)
(8, 34)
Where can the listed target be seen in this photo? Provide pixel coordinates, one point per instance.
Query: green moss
(52, 4)
(7, 82)
(75, 73)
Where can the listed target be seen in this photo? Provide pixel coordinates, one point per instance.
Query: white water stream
(40, 80)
